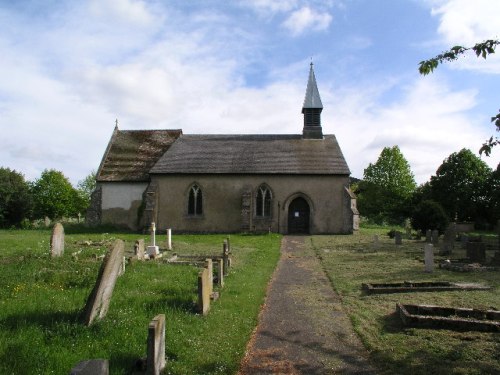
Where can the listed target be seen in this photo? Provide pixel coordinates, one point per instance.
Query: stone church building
(227, 183)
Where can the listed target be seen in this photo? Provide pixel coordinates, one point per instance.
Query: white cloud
(306, 18)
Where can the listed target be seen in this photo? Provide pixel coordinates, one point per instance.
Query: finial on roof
(116, 124)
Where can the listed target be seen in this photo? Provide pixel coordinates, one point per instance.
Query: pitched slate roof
(131, 153)
(252, 154)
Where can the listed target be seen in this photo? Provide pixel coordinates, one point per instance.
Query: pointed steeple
(312, 109)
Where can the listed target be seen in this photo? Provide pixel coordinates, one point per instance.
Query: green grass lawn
(350, 261)
(41, 300)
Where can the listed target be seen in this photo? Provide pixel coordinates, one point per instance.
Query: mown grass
(41, 300)
(350, 261)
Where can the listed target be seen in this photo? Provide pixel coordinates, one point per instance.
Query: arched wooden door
(298, 216)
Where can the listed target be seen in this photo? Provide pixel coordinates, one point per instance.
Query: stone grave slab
(91, 367)
(57, 241)
(461, 319)
(420, 286)
(98, 301)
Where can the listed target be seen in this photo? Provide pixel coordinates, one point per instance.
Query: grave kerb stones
(203, 292)
(429, 257)
(153, 250)
(156, 346)
(57, 241)
(99, 299)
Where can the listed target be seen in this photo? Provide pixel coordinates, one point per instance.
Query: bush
(429, 215)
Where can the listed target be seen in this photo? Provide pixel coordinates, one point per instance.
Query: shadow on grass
(174, 299)
(44, 319)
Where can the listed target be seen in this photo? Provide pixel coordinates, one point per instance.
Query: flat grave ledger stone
(91, 367)
(99, 299)
(57, 241)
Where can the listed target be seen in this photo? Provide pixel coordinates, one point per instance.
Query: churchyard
(43, 295)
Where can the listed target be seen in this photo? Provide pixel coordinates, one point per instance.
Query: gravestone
(225, 258)
(448, 240)
(220, 272)
(228, 240)
(428, 236)
(98, 301)
(156, 345)
(209, 267)
(476, 251)
(435, 237)
(376, 242)
(46, 222)
(169, 239)
(398, 238)
(153, 250)
(429, 257)
(203, 292)
(57, 241)
(139, 249)
(91, 367)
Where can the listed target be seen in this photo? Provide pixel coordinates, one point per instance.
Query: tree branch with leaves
(481, 50)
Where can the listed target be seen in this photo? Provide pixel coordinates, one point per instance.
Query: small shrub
(429, 215)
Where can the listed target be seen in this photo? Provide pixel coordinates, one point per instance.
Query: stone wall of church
(229, 203)
(122, 203)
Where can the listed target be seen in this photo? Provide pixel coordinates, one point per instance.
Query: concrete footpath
(302, 328)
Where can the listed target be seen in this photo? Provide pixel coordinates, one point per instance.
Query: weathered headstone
(435, 237)
(156, 345)
(428, 236)
(448, 240)
(398, 238)
(209, 267)
(169, 239)
(91, 367)
(203, 292)
(153, 250)
(98, 301)
(476, 251)
(57, 241)
(139, 249)
(220, 272)
(429, 257)
(225, 258)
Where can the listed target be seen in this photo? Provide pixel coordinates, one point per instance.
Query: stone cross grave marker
(203, 292)
(169, 239)
(428, 236)
(156, 345)
(91, 367)
(98, 301)
(153, 250)
(429, 257)
(57, 241)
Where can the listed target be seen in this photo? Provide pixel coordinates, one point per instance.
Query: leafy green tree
(429, 215)
(15, 198)
(54, 196)
(85, 188)
(461, 186)
(386, 190)
(481, 50)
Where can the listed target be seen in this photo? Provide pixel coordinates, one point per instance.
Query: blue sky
(70, 68)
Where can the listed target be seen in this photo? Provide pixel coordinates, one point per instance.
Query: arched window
(195, 202)
(263, 201)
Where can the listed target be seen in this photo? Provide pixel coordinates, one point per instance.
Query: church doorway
(298, 216)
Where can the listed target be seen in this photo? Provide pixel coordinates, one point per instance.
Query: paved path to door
(302, 328)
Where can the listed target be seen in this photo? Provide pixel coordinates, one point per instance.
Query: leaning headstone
(428, 236)
(476, 251)
(169, 239)
(91, 367)
(156, 345)
(435, 237)
(98, 302)
(429, 257)
(398, 238)
(210, 267)
(57, 241)
(203, 292)
(139, 249)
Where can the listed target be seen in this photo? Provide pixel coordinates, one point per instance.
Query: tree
(85, 188)
(429, 215)
(480, 49)
(387, 187)
(54, 196)
(15, 199)
(461, 186)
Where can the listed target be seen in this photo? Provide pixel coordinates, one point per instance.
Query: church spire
(312, 109)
